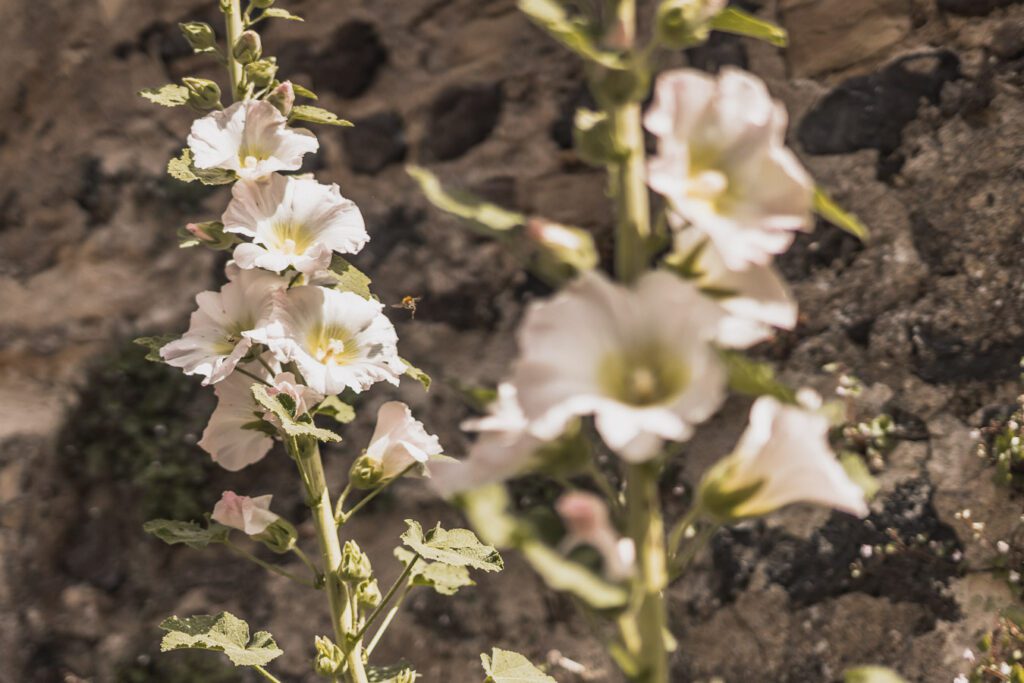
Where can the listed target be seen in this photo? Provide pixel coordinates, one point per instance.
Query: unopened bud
(199, 35)
(261, 72)
(203, 94)
(685, 23)
(330, 660)
(355, 565)
(366, 472)
(368, 594)
(283, 97)
(279, 537)
(248, 47)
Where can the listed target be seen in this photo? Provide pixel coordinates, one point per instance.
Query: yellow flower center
(644, 376)
(291, 237)
(333, 346)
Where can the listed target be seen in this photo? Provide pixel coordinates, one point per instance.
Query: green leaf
(170, 95)
(334, 407)
(825, 207)
(753, 378)
(574, 34)
(511, 667)
(208, 233)
(859, 474)
(732, 20)
(304, 92)
(394, 673)
(307, 112)
(446, 579)
(457, 547)
(348, 278)
(191, 534)
(487, 508)
(278, 13)
(181, 168)
(872, 674)
(223, 632)
(154, 344)
(490, 219)
(289, 424)
(563, 574)
(417, 374)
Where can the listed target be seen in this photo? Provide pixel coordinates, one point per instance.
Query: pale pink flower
(400, 440)
(249, 515)
(587, 521)
(229, 437)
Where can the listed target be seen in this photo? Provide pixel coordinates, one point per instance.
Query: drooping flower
(400, 440)
(251, 138)
(231, 437)
(295, 222)
(249, 515)
(757, 299)
(587, 521)
(220, 330)
(639, 359)
(723, 165)
(337, 339)
(783, 457)
(502, 450)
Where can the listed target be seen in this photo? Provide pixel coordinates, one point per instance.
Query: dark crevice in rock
(973, 8)
(375, 142)
(940, 356)
(460, 118)
(346, 66)
(826, 247)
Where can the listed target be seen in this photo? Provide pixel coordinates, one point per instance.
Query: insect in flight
(409, 304)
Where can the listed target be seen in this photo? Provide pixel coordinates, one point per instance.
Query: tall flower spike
(227, 438)
(639, 359)
(783, 457)
(400, 440)
(251, 138)
(723, 165)
(249, 515)
(337, 339)
(295, 222)
(220, 330)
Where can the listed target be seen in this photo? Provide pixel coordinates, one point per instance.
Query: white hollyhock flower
(502, 450)
(337, 339)
(587, 521)
(225, 438)
(220, 330)
(639, 359)
(251, 138)
(757, 299)
(783, 457)
(249, 515)
(295, 222)
(400, 440)
(723, 165)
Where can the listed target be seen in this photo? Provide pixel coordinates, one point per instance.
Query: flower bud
(366, 472)
(262, 4)
(355, 565)
(203, 94)
(248, 47)
(199, 35)
(685, 23)
(283, 97)
(279, 537)
(592, 137)
(330, 660)
(368, 594)
(261, 72)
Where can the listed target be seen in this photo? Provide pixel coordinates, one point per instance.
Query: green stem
(252, 376)
(675, 538)
(266, 674)
(309, 563)
(269, 567)
(388, 619)
(307, 455)
(682, 563)
(387, 598)
(645, 526)
(343, 517)
(339, 507)
(233, 17)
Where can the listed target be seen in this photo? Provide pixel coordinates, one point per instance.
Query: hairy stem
(307, 454)
(233, 19)
(266, 674)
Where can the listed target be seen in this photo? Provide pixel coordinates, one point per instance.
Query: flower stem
(645, 526)
(233, 19)
(387, 597)
(343, 516)
(306, 453)
(266, 674)
(675, 538)
(387, 620)
(269, 567)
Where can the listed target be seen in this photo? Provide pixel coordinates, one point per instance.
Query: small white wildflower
(1003, 547)
(399, 440)
(866, 551)
(251, 138)
(249, 515)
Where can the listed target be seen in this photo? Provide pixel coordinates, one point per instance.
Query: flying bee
(409, 304)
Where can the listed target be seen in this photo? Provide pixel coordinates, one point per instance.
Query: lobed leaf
(302, 91)
(456, 547)
(446, 579)
(223, 632)
(289, 424)
(181, 168)
(154, 344)
(487, 509)
(488, 218)
(307, 112)
(825, 207)
(732, 20)
(278, 13)
(417, 374)
(170, 95)
(334, 407)
(504, 666)
(575, 35)
(347, 278)
(394, 673)
(563, 574)
(191, 534)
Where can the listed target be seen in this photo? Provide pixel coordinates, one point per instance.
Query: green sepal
(489, 219)
(154, 344)
(563, 574)
(859, 474)
(593, 139)
(753, 378)
(307, 112)
(457, 547)
(335, 408)
(200, 36)
(173, 532)
(511, 667)
(573, 33)
(181, 168)
(721, 502)
(170, 95)
(278, 13)
(289, 424)
(348, 278)
(415, 373)
(304, 92)
(223, 632)
(741, 23)
(446, 579)
(825, 207)
(262, 72)
(872, 674)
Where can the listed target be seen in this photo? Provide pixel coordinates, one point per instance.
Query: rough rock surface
(909, 111)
